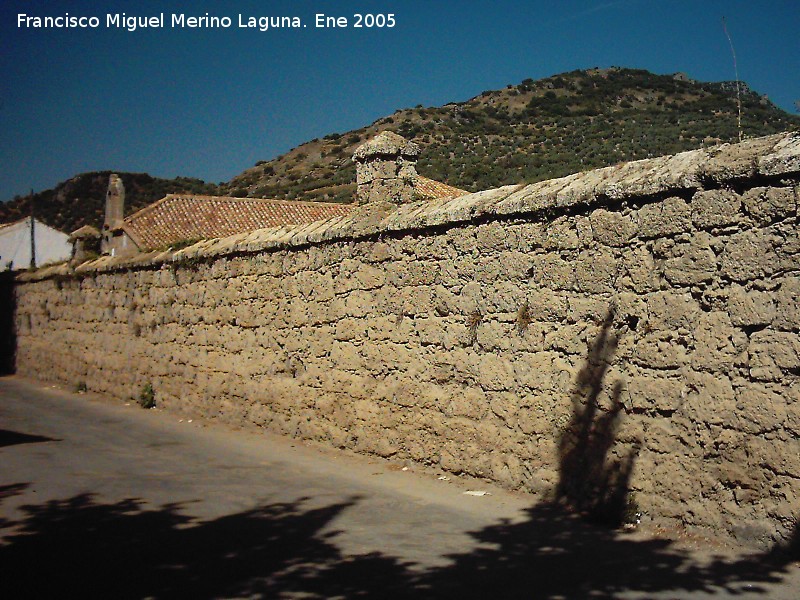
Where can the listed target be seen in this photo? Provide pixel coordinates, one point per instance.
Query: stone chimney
(386, 169)
(115, 209)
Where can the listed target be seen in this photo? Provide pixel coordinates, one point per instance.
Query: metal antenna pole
(736, 72)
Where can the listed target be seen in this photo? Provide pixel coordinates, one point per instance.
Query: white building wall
(15, 245)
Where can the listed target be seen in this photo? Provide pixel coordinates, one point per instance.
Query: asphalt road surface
(101, 500)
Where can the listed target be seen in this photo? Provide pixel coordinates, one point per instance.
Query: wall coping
(768, 157)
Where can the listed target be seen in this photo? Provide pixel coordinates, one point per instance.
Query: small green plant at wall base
(523, 318)
(147, 397)
(631, 514)
(80, 388)
(473, 321)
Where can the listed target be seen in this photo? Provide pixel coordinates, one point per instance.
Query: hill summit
(532, 131)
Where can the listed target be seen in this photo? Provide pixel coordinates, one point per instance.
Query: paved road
(101, 500)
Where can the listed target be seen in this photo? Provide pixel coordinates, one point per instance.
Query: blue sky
(209, 103)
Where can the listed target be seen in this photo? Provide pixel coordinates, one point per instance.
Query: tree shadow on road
(555, 554)
(286, 550)
(127, 550)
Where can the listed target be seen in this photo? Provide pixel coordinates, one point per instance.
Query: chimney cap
(85, 232)
(386, 143)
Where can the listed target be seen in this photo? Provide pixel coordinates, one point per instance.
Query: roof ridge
(235, 199)
(298, 202)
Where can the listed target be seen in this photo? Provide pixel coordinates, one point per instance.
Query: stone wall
(631, 328)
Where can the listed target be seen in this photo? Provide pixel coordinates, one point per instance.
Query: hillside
(532, 131)
(81, 200)
(524, 133)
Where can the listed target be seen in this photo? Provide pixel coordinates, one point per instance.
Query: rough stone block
(774, 354)
(788, 247)
(760, 409)
(491, 237)
(709, 400)
(467, 402)
(552, 272)
(569, 339)
(505, 297)
(715, 208)
(670, 217)
(717, 343)
(612, 228)
(750, 308)
(515, 265)
(561, 234)
(505, 406)
(749, 255)
(367, 277)
(529, 237)
(660, 351)
(758, 533)
(791, 394)
(346, 357)
(349, 329)
(770, 204)
(496, 373)
(489, 269)
(422, 273)
(591, 309)
(462, 239)
(378, 252)
(507, 469)
(544, 305)
(429, 330)
(787, 311)
(471, 299)
(358, 304)
(536, 371)
(650, 394)
(596, 271)
(662, 438)
(639, 271)
(671, 311)
(691, 263)
(495, 336)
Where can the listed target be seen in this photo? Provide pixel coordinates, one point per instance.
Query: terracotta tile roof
(179, 217)
(428, 189)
